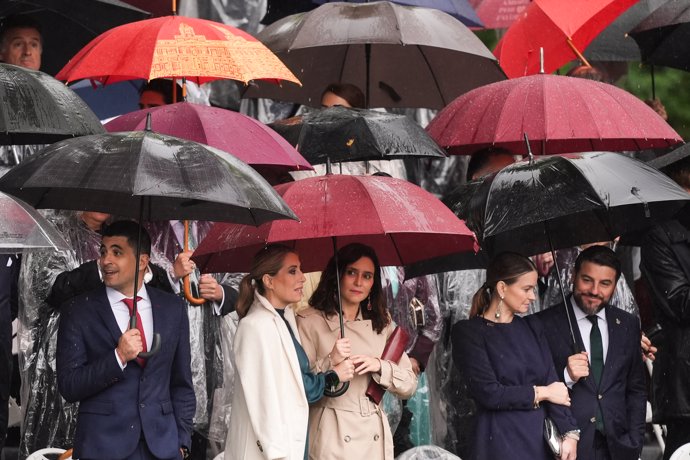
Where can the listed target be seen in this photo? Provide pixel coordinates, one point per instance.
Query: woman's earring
(498, 309)
(369, 303)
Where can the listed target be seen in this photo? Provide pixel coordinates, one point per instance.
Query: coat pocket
(166, 407)
(96, 407)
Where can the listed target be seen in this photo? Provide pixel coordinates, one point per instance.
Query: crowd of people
(277, 364)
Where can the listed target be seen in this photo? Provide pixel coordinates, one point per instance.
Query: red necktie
(140, 327)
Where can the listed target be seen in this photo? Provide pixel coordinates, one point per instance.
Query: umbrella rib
(433, 75)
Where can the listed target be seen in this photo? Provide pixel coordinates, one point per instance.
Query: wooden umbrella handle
(186, 283)
(66, 455)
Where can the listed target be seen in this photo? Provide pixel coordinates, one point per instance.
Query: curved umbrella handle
(334, 392)
(155, 347)
(187, 289)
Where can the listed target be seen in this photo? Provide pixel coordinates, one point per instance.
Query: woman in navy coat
(509, 367)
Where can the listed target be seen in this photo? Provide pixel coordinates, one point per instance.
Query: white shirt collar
(579, 314)
(115, 296)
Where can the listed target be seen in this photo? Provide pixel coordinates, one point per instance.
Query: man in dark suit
(130, 408)
(607, 380)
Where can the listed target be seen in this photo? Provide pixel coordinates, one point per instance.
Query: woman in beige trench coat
(352, 426)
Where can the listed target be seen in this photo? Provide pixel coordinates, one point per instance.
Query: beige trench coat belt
(364, 406)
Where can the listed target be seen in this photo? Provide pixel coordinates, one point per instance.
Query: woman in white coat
(274, 386)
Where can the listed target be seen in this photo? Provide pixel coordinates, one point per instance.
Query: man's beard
(578, 296)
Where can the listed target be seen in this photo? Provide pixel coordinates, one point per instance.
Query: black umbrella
(567, 200)
(343, 134)
(614, 43)
(664, 36)
(147, 176)
(554, 202)
(399, 56)
(37, 109)
(68, 25)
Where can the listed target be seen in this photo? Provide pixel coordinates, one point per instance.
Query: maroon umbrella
(247, 139)
(559, 115)
(401, 221)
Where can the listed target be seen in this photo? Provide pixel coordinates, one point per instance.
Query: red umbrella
(559, 114)
(401, 221)
(247, 139)
(499, 14)
(560, 28)
(179, 47)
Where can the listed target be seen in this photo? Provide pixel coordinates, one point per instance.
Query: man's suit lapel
(160, 322)
(105, 311)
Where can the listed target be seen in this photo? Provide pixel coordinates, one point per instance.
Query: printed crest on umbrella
(176, 46)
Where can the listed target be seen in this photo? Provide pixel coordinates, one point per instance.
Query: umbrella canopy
(37, 109)
(499, 14)
(145, 175)
(664, 36)
(561, 30)
(614, 43)
(459, 9)
(68, 25)
(343, 134)
(402, 222)
(23, 228)
(559, 114)
(244, 137)
(569, 200)
(400, 56)
(175, 46)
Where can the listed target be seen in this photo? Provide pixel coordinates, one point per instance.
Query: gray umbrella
(400, 56)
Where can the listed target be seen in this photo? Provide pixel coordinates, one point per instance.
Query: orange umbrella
(562, 29)
(175, 47)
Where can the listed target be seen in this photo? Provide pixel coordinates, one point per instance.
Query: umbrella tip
(541, 60)
(329, 169)
(148, 122)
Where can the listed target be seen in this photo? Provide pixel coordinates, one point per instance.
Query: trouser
(601, 448)
(677, 434)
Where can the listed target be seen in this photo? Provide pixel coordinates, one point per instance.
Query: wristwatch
(185, 453)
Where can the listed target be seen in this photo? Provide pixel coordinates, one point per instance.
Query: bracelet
(536, 398)
(572, 434)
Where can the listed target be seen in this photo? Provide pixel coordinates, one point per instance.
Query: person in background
(343, 94)
(158, 92)
(507, 362)
(666, 267)
(274, 383)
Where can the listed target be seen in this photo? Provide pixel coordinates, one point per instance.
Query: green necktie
(596, 349)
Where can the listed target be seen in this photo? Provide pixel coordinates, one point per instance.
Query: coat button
(592, 420)
(347, 438)
(142, 405)
(600, 396)
(376, 437)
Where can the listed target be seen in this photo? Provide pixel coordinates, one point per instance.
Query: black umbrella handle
(334, 392)
(155, 347)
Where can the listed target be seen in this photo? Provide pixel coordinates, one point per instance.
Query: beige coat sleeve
(398, 378)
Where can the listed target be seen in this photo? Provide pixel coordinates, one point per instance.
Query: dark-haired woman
(352, 425)
(509, 368)
(274, 385)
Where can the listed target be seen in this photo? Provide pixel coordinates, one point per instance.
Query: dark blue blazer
(118, 407)
(622, 393)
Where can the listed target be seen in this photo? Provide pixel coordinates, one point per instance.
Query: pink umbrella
(247, 139)
(401, 221)
(559, 115)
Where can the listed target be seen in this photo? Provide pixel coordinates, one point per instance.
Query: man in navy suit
(130, 408)
(607, 380)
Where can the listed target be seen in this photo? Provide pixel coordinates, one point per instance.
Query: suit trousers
(601, 448)
(142, 452)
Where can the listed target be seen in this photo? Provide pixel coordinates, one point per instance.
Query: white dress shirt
(121, 312)
(585, 327)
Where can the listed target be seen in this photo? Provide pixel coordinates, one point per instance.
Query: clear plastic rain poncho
(623, 297)
(205, 334)
(49, 420)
